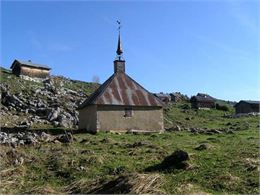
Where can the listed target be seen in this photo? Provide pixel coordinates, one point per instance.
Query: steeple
(119, 63)
(119, 50)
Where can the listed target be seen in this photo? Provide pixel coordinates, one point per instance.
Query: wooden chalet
(28, 68)
(202, 100)
(247, 106)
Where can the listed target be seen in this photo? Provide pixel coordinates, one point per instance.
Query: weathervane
(119, 25)
(119, 50)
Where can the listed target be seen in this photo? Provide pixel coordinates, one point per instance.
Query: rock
(56, 142)
(21, 143)
(64, 122)
(176, 160)
(12, 100)
(31, 111)
(84, 141)
(54, 115)
(71, 92)
(26, 123)
(19, 161)
(87, 152)
(56, 123)
(29, 139)
(46, 137)
(65, 138)
(203, 147)
(174, 128)
(193, 130)
(214, 131)
(176, 157)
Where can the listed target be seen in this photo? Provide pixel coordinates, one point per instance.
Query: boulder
(65, 138)
(43, 112)
(29, 139)
(46, 137)
(176, 157)
(64, 121)
(53, 115)
(177, 160)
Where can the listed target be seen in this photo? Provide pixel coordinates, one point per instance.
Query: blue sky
(186, 46)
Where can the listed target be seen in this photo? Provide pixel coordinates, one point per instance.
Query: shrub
(222, 107)
(185, 106)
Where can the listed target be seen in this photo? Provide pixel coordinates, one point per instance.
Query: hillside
(201, 152)
(47, 104)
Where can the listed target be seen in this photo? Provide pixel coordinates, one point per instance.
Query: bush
(185, 106)
(222, 107)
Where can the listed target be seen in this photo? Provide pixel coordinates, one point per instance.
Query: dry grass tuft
(190, 189)
(132, 184)
(43, 190)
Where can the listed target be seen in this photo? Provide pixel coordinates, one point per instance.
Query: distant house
(202, 100)
(28, 68)
(121, 104)
(247, 106)
(166, 98)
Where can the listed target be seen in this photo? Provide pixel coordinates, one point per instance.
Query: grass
(176, 115)
(224, 168)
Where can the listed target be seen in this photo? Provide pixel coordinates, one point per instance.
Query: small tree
(222, 107)
(95, 79)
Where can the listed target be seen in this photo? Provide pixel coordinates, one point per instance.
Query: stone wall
(112, 118)
(88, 118)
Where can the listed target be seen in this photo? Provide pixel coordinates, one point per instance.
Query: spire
(119, 63)
(119, 50)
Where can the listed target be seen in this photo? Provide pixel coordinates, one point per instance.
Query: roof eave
(36, 67)
(13, 64)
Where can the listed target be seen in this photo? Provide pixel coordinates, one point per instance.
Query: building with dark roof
(28, 68)
(247, 106)
(178, 97)
(202, 100)
(121, 104)
(166, 98)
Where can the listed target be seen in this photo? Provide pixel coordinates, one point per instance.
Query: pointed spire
(119, 50)
(119, 63)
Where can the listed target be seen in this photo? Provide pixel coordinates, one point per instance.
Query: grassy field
(230, 164)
